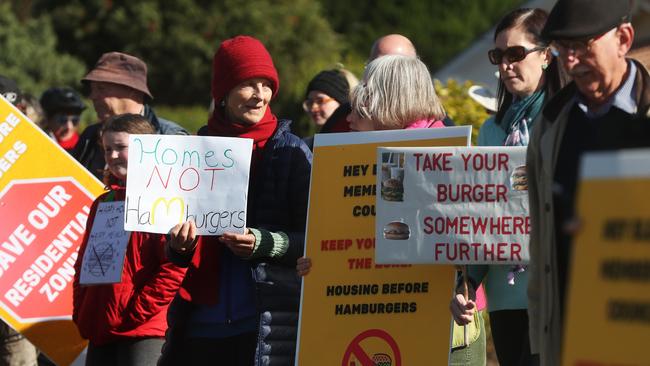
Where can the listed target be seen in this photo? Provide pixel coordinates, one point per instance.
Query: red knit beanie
(238, 59)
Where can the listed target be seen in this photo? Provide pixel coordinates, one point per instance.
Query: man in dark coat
(606, 107)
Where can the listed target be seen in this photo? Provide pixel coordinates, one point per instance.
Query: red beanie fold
(239, 59)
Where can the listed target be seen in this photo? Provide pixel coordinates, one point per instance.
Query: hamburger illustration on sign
(397, 230)
(519, 179)
(392, 177)
(392, 190)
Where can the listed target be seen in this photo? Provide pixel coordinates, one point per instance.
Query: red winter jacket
(135, 307)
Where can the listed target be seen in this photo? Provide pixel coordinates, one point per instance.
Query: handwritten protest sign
(452, 205)
(104, 256)
(607, 318)
(173, 179)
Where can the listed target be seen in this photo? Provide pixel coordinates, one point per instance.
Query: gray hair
(396, 91)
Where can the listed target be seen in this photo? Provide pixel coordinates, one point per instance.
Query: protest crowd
(566, 87)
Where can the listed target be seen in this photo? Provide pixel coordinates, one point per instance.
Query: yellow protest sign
(45, 197)
(355, 312)
(608, 305)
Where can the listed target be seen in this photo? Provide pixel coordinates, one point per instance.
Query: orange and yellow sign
(608, 311)
(355, 312)
(45, 197)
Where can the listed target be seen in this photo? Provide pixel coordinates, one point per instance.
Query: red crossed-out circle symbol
(355, 349)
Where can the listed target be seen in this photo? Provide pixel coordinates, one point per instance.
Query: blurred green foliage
(29, 56)
(462, 109)
(439, 29)
(190, 117)
(178, 38)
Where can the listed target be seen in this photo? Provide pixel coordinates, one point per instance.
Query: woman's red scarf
(260, 132)
(201, 283)
(70, 143)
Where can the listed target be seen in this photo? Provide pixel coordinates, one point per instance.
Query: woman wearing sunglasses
(62, 107)
(528, 76)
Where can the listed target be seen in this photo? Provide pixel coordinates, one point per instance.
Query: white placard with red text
(173, 179)
(457, 205)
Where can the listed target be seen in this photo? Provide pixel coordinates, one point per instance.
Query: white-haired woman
(396, 93)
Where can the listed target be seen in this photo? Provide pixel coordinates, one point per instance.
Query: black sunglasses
(512, 54)
(64, 118)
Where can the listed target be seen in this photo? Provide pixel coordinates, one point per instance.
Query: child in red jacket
(125, 322)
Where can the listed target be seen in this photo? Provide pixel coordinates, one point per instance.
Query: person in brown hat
(606, 107)
(117, 85)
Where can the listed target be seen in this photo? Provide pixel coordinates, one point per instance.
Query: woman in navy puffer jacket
(238, 304)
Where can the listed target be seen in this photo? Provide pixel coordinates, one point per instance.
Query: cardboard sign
(457, 205)
(353, 310)
(103, 259)
(45, 198)
(173, 179)
(607, 316)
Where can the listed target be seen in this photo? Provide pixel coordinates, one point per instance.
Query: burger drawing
(397, 231)
(519, 179)
(392, 190)
(382, 359)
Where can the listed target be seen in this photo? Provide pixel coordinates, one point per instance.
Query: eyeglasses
(512, 54)
(319, 101)
(62, 119)
(576, 48)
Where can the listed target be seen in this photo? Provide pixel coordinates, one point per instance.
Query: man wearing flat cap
(606, 107)
(117, 85)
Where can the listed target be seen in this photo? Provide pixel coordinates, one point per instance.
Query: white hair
(396, 91)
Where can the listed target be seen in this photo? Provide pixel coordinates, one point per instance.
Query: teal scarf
(519, 118)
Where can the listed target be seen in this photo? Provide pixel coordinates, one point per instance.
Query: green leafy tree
(29, 54)
(439, 29)
(462, 109)
(177, 39)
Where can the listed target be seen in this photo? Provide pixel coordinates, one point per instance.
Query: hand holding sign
(183, 237)
(462, 309)
(303, 266)
(241, 245)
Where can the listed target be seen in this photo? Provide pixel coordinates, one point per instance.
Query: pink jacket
(425, 123)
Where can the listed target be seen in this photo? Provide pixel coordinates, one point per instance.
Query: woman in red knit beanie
(239, 287)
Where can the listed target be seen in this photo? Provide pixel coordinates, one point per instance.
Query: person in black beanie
(62, 107)
(326, 92)
(327, 101)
